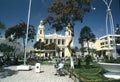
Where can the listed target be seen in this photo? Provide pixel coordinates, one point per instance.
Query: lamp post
(26, 39)
(110, 18)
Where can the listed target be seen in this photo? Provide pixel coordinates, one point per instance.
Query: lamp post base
(23, 67)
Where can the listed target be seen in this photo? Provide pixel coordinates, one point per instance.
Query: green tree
(86, 35)
(88, 59)
(6, 48)
(66, 12)
(39, 45)
(19, 31)
(82, 49)
(52, 46)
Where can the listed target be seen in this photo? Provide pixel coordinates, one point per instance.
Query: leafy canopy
(6, 48)
(86, 35)
(19, 31)
(39, 45)
(64, 12)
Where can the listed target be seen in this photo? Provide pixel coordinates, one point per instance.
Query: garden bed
(93, 73)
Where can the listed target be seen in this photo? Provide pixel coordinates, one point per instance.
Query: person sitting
(60, 68)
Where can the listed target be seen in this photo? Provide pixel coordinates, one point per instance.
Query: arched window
(69, 32)
(46, 41)
(40, 31)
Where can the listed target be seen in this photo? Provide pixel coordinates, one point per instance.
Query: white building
(106, 43)
(91, 46)
(61, 41)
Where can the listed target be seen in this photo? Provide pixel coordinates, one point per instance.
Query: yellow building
(97, 44)
(60, 40)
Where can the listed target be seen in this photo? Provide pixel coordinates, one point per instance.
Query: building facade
(91, 46)
(107, 44)
(61, 41)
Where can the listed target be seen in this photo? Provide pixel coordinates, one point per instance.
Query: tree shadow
(7, 72)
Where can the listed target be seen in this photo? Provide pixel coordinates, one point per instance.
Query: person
(60, 69)
(71, 62)
(79, 60)
(60, 66)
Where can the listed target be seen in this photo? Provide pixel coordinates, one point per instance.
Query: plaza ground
(47, 74)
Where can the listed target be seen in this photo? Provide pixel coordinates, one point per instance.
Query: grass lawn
(92, 73)
(33, 62)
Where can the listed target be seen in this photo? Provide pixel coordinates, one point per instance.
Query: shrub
(112, 60)
(88, 59)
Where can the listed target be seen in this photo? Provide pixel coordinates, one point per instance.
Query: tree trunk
(88, 47)
(70, 50)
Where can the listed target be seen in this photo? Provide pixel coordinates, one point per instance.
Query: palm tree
(86, 35)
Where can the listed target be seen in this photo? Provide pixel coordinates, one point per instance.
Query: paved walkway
(10, 74)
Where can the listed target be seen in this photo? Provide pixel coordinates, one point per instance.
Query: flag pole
(26, 39)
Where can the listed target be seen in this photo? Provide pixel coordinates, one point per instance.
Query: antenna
(110, 19)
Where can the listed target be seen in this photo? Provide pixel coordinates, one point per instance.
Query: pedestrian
(79, 60)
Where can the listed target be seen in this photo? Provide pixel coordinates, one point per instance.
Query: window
(110, 36)
(46, 41)
(106, 38)
(58, 41)
(46, 55)
(69, 32)
(111, 42)
(102, 43)
(40, 31)
(54, 40)
(50, 40)
(63, 41)
(106, 42)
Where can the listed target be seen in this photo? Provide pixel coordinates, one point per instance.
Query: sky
(13, 12)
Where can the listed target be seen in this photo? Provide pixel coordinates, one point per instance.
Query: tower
(69, 38)
(69, 34)
(40, 33)
(68, 31)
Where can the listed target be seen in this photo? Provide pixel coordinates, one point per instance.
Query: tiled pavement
(10, 74)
